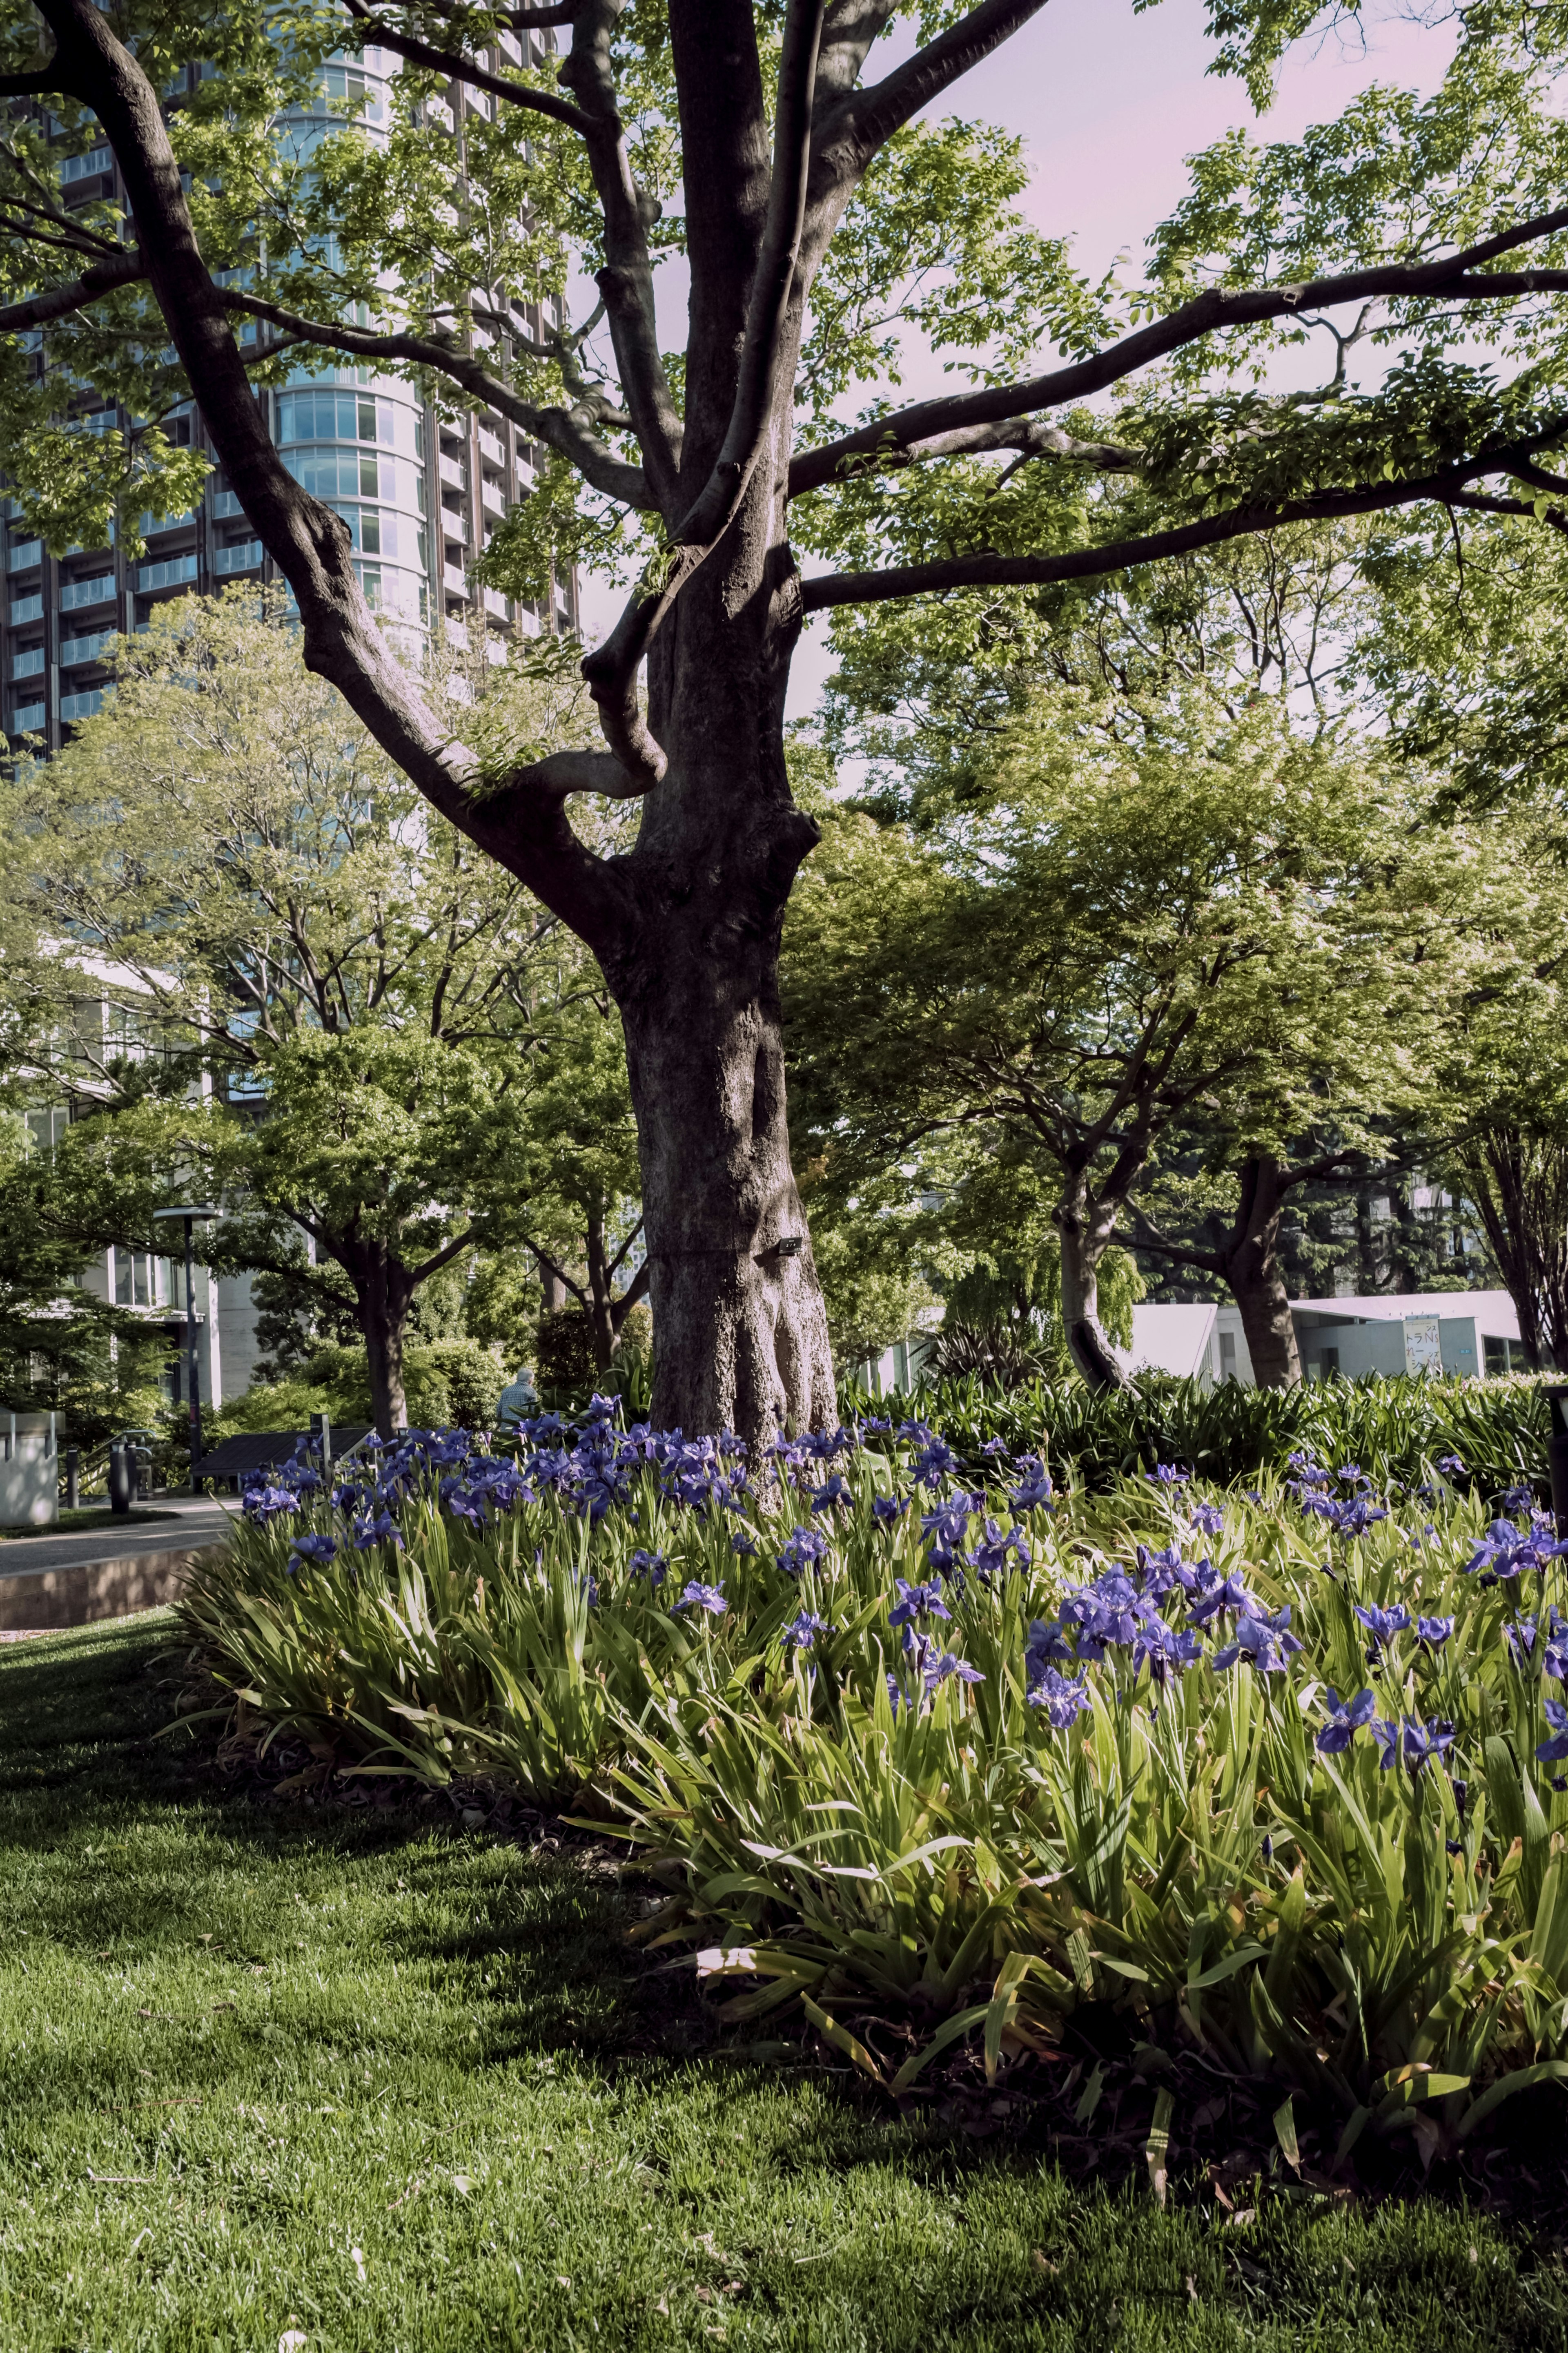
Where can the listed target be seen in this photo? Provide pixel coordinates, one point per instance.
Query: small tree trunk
(1086, 1227)
(1251, 1264)
(601, 1323)
(382, 1306)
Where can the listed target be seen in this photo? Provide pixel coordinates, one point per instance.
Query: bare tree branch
(44, 81)
(57, 301)
(459, 68)
(772, 284)
(987, 571)
(562, 430)
(865, 119)
(1456, 277)
(627, 280)
(523, 825)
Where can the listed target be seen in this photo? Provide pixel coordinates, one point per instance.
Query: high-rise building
(420, 494)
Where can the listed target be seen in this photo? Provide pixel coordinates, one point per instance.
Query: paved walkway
(195, 1520)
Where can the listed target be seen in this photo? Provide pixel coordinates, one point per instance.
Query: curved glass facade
(355, 440)
(359, 445)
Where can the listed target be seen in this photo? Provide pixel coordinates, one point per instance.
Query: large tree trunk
(1251, 1266)
(741, 1329)
(1087, 1228)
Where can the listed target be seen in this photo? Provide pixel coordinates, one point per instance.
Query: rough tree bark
(1087, 1224)
(1245, 1257)
(1519, 1184)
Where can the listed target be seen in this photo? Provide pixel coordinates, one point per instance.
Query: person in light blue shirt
(519, 1402)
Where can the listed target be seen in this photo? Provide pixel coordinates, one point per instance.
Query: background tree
(1216, 923)
(822, 216)
(322, 1006)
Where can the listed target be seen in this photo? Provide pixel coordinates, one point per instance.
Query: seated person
(519, 1402)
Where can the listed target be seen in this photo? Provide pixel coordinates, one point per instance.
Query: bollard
(73, 1478)
(120, 1476)
(1557, 1455)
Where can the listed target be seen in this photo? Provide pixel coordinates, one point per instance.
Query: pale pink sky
(1110, 103)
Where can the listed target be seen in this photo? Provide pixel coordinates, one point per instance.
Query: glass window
(134, 1279)
(45, 1129)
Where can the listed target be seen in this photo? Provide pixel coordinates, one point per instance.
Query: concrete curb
(42, 1600)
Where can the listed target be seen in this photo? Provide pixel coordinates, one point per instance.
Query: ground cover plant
(1496, 1429)
(356, 2077)
(1272, 1780)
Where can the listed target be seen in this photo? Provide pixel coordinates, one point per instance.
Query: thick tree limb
(523, 826)
(59, 301)
(457, 67)
(627, 280)
(772, 285)
(1456, 277)
(865, 119)
(44, 81)
(562, 430)
(987, 571)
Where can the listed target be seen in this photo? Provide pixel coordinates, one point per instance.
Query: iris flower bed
(1275, 1777)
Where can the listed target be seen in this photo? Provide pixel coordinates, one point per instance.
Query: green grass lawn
(348, 2080)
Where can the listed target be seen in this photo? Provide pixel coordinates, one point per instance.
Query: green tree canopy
(1217, 918)
(256, 962)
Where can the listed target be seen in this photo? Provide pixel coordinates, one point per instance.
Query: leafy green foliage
(437, 2033)
(898, 1846)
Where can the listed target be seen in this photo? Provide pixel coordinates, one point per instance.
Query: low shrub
(1277, 1775)
(1497, 1428)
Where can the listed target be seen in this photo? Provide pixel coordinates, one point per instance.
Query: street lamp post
(193, 1384)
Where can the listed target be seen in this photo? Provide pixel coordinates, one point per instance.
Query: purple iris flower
(1046, 1645)
(1345, 1719)
(1267, 1643)
(947, 1524)
(934, 1460)
(703, 1597)
(802, 1631)
(833, 1491)
(1062, 1697)
(936, 1669)
(1555, 1656)
(886, 1509)
(1226, 1593)
(995, 1446)
(1450, 1466)
(1206, 1518)
(1105, 1611)
(742, 1544)
(1521, 1640)
(915, 1601)
(651, 1565)
(1552, 1752)
(264, 1503)
(1418, 1742)
(1383, 1624)
(381, 1529)
(1165, 1474)
(1034, 1491)
(1164, 1647)
(989, 1558)
(1162, 1572)
(804, 1547)
(313, 1547)
(1434, 1632)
